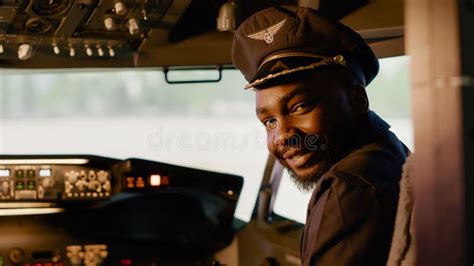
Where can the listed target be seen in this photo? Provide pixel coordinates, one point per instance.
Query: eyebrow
(260, 110)
(283, 100)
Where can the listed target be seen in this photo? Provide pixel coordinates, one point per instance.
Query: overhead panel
(75, 33)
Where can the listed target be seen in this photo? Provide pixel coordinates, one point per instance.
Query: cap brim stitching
(324, 62)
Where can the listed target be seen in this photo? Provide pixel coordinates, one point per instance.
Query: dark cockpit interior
(89, 210)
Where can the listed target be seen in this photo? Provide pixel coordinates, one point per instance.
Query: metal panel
(467, 42)
(433, 42)
(70, 22)
(6, 17)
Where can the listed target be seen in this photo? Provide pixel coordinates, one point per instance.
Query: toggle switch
(109, 23)
(111, 51)
(132, 25)
(100, 51)
(120, 8)
(25, 51)
(56, 49)
(88, 50)
(72, 51)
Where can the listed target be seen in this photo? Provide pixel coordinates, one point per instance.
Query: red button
(125, 262)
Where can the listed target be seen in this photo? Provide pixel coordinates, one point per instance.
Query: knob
(132, 25)
(103, 254)
(106, 186)
(95, 185)
(81, 185)
(68, 187)
(75, 254)
(120, 8)
(40, 192)
(88, 50)
(109, 23)
(100, 51)
(102, 176)
(82, 175)
(1, 49)
(25, 51)
(72, 176)
(56, 49)
(5, 187)
(16, 255)
(72, 51)
(111, 52)
(92, 175)
(47, 182)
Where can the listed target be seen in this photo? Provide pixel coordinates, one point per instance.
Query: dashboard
(90, 210)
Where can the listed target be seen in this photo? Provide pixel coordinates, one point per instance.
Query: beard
(308, 182)
(326, 159)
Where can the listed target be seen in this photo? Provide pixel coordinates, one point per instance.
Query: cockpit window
(135, 113)
(389, 98)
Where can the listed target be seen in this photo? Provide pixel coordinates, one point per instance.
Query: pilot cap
(282, 40)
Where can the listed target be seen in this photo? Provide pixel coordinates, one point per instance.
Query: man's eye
(270, 123)
(301, 108)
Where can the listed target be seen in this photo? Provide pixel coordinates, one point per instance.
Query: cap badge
(268, 33)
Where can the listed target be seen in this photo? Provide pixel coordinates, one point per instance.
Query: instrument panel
(90, 210)
(51, 182)
(53, 179)
(77, 28)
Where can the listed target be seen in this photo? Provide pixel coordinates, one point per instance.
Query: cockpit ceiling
(151, 33)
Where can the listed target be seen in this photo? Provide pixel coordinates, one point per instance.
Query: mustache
(299, 143)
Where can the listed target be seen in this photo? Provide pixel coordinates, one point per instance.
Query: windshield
(135, 113)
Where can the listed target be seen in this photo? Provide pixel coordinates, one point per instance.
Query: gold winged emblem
(268, 33)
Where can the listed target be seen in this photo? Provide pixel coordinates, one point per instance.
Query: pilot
(309, 75)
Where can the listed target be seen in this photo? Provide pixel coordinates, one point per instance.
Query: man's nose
(284, 134)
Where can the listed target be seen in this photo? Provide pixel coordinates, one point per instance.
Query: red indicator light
(130, 182)
(125, 262)
(140, 182)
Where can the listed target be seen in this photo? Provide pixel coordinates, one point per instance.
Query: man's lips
(290, 153)
(296, 158)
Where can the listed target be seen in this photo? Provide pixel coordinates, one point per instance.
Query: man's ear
(358, 100)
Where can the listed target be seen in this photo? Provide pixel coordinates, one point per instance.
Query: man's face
(308, 124)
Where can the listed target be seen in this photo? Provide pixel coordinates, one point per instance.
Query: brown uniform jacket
(351, 213)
